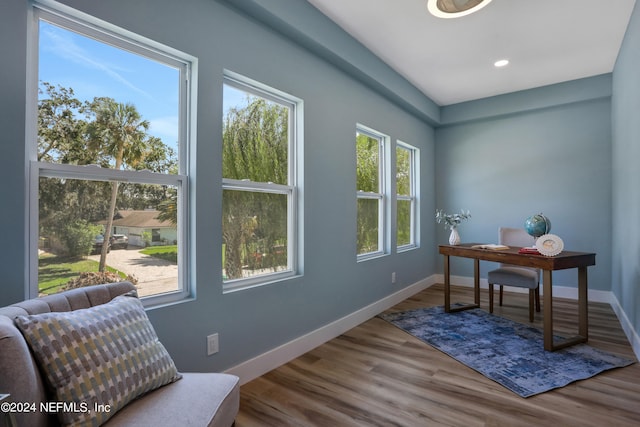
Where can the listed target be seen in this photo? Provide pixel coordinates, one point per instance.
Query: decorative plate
(549, 245)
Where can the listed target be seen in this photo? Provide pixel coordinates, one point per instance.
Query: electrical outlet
(212, 344)
(393, 277)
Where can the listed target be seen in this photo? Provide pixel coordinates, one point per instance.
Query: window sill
(245, 284)
(370, 256)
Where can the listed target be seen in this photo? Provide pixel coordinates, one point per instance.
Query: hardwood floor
(378, 375)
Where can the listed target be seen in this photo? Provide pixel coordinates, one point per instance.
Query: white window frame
(291, 189)
(382, 195)
(413, 196)
(104, 32)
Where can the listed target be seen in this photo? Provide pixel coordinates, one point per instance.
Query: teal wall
(625, 279)
(544, 150)
(333, 285)
(13, 172)
(548, 149)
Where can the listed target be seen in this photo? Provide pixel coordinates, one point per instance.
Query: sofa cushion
(100, 357)
(197, 400)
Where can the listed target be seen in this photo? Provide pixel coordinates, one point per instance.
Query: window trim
(413, 197)
(384, 230)
(291, 189)
(104, 32)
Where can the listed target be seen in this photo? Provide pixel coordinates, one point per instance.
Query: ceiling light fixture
(501, 63)
(455, 8)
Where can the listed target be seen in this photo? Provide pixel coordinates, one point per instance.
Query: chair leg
(538, 299)
(501, 287)
(531, 298)
(490, 297)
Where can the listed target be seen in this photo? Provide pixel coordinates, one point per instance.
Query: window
(406, 196)
(109, 189)
(371, 192)
(259, 197)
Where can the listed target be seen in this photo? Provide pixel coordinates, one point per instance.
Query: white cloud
(62, 43)
(165, 128)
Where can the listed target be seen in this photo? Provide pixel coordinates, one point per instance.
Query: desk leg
(583, 314)
(447, 288)
(583, 304)
(548, 310)
(447, 285)
(476, 282)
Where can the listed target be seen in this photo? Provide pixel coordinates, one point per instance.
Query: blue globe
(537, 225)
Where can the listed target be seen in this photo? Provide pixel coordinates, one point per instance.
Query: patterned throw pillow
(97, 360)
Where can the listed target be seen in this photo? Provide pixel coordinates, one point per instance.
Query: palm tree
(118, 132)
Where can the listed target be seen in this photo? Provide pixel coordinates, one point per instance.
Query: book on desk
(491, 246)
(529, 250)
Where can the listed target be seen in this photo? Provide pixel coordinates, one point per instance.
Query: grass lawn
(53, 271)
(167, 253)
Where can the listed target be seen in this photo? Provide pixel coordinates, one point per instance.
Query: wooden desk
(565, 260)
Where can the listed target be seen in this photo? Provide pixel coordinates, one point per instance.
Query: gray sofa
(197, 399)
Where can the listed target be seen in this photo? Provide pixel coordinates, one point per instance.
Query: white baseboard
(263, 363)
(627, 327)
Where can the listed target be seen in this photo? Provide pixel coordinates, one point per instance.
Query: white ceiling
(451, 60)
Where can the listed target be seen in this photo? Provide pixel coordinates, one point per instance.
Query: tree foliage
(60, 132)
(78, 237)
(255, 142)
(368, 161)
(118, 135)
(255, 147)
(367, 180)
(103, 132)
(403, 187)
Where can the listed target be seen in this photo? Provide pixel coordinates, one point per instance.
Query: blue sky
(94, 68)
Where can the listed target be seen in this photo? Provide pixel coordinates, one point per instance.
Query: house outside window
(407, 169)
(372, 192)
(105, 143)
(260, 214)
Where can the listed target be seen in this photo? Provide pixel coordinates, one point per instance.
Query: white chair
(510, 275)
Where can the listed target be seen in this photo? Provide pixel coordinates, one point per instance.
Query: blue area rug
(505, 351)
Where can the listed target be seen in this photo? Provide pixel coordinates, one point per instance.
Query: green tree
(255, 147)
(63, 202)
(169, 208)
(62, 126)
(367, 180)
(60, 131)
(102, 132)
(163, 159)
(79, 236)
(146, 238)
(118, 132)
(403, 187)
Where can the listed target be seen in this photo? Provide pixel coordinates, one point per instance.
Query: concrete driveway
(154, 275)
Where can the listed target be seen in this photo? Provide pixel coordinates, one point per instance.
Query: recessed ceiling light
(455, 8)
(501, 63)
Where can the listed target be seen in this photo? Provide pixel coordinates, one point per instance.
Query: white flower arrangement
(451, 221)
